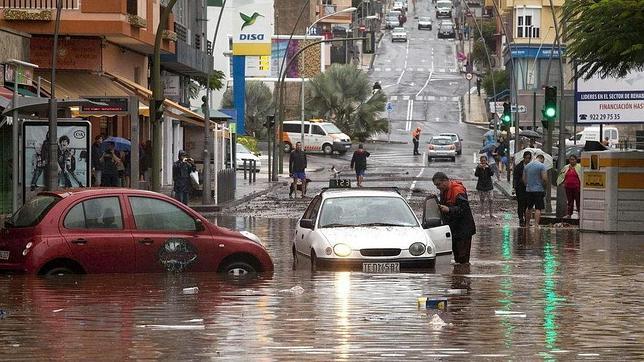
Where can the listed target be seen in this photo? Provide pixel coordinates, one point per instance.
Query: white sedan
(374, 230)
(398, 34)
(441, 147)
(242, 153)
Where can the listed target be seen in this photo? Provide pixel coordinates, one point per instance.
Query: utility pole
(206, 197)
(51, 183)
(156, 103)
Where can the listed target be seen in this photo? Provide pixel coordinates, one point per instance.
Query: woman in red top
(570, 176)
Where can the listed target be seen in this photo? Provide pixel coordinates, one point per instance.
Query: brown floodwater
(538, 294)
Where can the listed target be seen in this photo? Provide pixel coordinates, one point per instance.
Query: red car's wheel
(238, 269)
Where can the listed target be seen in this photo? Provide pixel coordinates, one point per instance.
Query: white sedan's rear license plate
(4, 255)
(381, 267)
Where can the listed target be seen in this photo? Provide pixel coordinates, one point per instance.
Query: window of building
(528, 22)
(180, 12)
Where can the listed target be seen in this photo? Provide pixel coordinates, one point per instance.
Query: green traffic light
(550, 112)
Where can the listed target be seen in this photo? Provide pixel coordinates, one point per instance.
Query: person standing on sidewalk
(456, 211)
(297, 168)
(415, 138)
(484, 186)
(519, 187)
(478, 85)
(97, 167)
(535, 178)
(570, 176)
(181, 177)
(359, 163)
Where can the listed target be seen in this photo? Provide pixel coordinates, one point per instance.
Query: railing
(38, 4)
(182, 32)
(198, 41)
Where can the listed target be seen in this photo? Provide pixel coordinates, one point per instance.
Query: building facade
(104, 52)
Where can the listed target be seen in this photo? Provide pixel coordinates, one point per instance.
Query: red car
(111, 230)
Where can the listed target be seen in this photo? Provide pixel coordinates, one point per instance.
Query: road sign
(468, 76)
(496, 107)
(519, 108)
(390, 107)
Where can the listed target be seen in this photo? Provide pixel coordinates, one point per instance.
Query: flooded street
(529, 295)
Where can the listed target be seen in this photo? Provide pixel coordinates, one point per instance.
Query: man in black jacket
(181, 170)
(359, 163)
(97, 166)
(297, 168)
(519, 187)
(456, 211)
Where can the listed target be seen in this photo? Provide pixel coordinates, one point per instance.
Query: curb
(207, 209)
(504, 191)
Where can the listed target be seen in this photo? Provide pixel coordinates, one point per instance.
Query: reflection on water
(530, 294)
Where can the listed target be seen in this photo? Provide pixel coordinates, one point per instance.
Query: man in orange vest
(415, 137)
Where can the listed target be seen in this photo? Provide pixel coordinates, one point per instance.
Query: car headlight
(252, 237)
(342, 250)
(417, 249)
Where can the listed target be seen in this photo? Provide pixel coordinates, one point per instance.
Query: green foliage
(343, 95)
(605, 36)
(249, 142)
(216, 83)
(259, 104)
(478, 55)
(501, 81)
(216, 80)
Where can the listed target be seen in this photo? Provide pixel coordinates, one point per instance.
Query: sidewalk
(475, 109)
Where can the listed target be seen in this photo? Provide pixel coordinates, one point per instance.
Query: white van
(319, 135)
(592, 134)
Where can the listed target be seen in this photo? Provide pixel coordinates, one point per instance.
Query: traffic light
(550, 104)
(156, 110)
(507, 114)
(270, 121)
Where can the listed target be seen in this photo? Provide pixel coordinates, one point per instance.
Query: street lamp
(306, 33)
(15, 164)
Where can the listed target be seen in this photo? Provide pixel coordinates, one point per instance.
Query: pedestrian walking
(491, 153)
(97, 167)
(484, 186)
(110, 162)
(359, 163)
(456, 211)
(478, 85)
(519, 187)
(297, 168)
(415, 137)
(535, 178)
(570, 176)
(376, 87)
(182, 186)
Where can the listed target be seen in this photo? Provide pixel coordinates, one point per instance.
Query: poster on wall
(73, 155)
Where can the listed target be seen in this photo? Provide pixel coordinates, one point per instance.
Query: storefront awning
(78, 84)
(177, 111)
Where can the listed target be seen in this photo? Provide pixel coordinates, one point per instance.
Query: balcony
(38, 4)
(325, 10)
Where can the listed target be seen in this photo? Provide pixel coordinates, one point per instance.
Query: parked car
(242, 153)
(458, 141)
(372, 229)
(441, 147)
(113, 230)
(398, 34)
(424, 22)
(446, 31)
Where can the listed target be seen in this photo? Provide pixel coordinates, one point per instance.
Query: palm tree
(259, 104)
(343, 94)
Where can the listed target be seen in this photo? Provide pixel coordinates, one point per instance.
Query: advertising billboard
(252, 27)
(73, 156)
(308, 64)
(610, 100)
